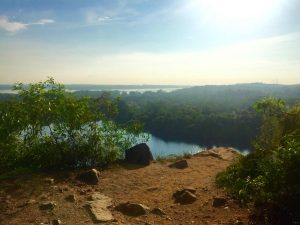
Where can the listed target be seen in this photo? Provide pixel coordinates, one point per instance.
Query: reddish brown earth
(152, 186)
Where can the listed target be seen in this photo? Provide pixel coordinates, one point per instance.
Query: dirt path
(152, 186)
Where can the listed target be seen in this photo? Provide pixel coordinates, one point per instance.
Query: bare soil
(152, 186)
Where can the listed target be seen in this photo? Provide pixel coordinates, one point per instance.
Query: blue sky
(150, 41)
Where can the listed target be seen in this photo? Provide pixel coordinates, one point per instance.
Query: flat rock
(98, 207)
(227, 154)
(182, 164)
(132, 209)
(90, 177)
(219, 202)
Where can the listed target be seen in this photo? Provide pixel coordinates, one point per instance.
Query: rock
(47, 206)
(98, 207)
(185, 197)
(132, 209)
(209, 152)
(182, 164)
(238, 222)
(228, 154)
(90, 177)
(48, 180)
(139, 154)
(219, 202)
(71, 198)
(28, 202)
(158, 211)
(56, 222)
(182, 190)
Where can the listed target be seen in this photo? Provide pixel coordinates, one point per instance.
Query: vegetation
(45, 127)
(206, 115)
(270, 175)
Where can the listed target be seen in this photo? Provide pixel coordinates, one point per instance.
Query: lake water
(160, 147)
(125, 90)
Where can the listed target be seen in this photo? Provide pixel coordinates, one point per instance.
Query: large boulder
(89, 177)
(139, 154)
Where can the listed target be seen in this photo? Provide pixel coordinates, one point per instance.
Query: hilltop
(152, 186)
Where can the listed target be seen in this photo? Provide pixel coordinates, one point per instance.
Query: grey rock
(182, 164)
(219, 202)
(132, 209)
(90, 177)
(47, 206)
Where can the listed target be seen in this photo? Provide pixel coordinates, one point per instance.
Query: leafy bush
(270, 175)
(47, 127)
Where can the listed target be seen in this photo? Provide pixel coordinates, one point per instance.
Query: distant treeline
(205, 115)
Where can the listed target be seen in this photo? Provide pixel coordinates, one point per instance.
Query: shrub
(270, 175)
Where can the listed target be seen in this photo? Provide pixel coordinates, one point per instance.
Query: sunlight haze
(150, 42)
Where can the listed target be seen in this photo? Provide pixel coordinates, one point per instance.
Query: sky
(185, 42)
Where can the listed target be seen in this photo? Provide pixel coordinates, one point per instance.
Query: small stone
(49, 180)
(238, 222)
(71, 198)
(185, 195)
(56, 222)
(90, 177)
(158, 211)
(132, 209)
(182, 164)
(152, 189)
(219, 202)
(47, 206)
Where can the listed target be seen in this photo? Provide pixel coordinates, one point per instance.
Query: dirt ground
(152, 186)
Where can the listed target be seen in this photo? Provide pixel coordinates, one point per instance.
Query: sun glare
(235, 12)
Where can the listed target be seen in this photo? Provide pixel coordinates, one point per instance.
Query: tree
(47, 127)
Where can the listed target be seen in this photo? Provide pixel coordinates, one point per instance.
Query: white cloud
(13, 26)
(43, 22)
